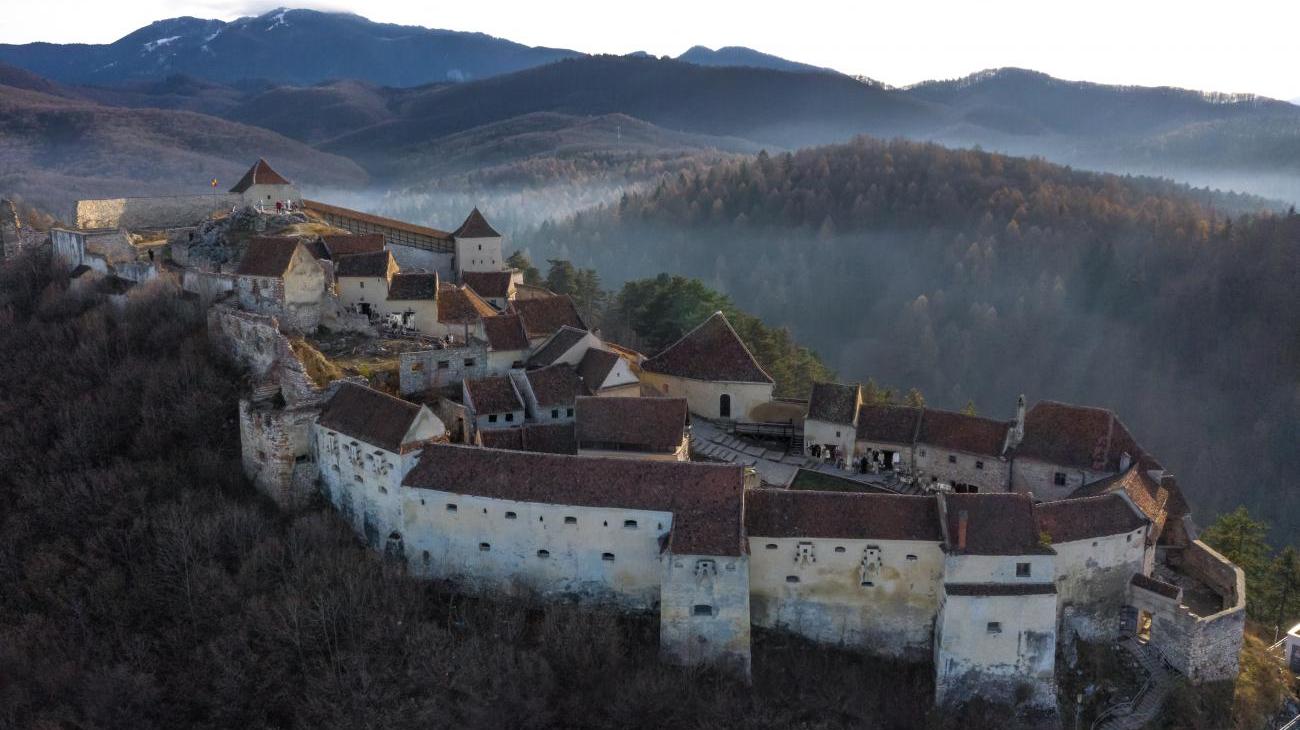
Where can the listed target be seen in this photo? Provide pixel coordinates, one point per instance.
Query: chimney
(962, 519)
(1018, 428)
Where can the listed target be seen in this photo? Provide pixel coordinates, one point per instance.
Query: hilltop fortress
(510, 448)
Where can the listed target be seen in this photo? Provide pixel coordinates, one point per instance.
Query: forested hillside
(975, 276)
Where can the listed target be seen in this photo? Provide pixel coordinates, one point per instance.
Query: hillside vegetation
(974, 276)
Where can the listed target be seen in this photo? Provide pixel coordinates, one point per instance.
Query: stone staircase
(1142, 710)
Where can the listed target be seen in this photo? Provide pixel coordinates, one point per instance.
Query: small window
(451, 508)
(362, 284)
(511, 515)
(837, 434)
(570, 520)
(867, 584)
(771, 546)
(1022, 570)
(444, 364)
(995, 627)
(510, 417)
(543, 554)
(517, 364)
(569, 412)
(922, 452)
(492, 418)
(952, 459)
(979, 465)
(484, 547)
(469, 362)
(792, 579)
(702, 609)
(555, 413)
(425, 557)
(1059, 479)
(911, 557)
(839, 548)
(607, 557)
(629, 524)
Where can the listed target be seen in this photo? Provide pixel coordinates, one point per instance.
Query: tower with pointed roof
(478, 245)
(263, 185)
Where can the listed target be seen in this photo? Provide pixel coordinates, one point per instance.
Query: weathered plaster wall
(479, 254)
(704, 611)
(363, 482)
(841, 435)
(830, 601)
(276, 451)
(1014, 663)
(703, 397)
(961, 568)
(1039, 478)
(1092, 577)
(161, 212)
(425, 369)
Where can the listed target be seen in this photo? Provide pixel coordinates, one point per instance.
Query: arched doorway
(724, 406)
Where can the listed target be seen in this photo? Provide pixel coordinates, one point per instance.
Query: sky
(1244, 46)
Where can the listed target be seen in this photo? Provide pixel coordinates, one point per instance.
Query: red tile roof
(413, 287)
(888, 424)
(1079, 437)
(505, 332)
(259, 174)
(1150, 496)
(545, 438)
(267, 256)
(842, 515)
(559, 343)
(996, 524)
(713, 352)
(640, 424)
(489, 284)
(343, 244)
(834, 402)
(375, 264)
(460, 305)
(368, 415)
(475, 226)
(704, 499)
(960, 432)
(1083, 519)
(375, 220)
(557, 385)
(493, 395)
(544, 316)
(595, 366)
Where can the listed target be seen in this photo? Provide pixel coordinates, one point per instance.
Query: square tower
(478, 245)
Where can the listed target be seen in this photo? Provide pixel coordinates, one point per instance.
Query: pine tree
(1285, 580)
(914, 399)
(562, 278)
(518, 260)
(969, 408)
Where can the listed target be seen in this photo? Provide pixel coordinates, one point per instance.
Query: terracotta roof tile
(505, 332)
(343, 244)
(960, 432)
(488, 284)
(376, 264)
(267, 256)
(368, 415)
(1082, 519)
(544, 316)
(559, 343)
(996, 524)
(843, 515)
(1078, 436)
(412, 287)
(259, 174)
(377, 220)
(493, 395)
(888, 424)
(704, 499)
(475, 226)
(460, 305)
(528, 291)
(545, 438)
(595, 366)
(834, 402)
(556, 385)
(641, 424)
(712, 351)
(1150, 496)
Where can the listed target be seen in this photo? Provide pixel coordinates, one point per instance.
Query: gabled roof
(1078, 436)
(1153, 498)
(475, 226)
(712, 351)
(1068, 520)
(337, 245)
(595, 366)
(834, 402)
(544, 438)
(888, 424)
(374, 264)
(267, 256)
(556, 385)
(488, 284)
(259, 174)
(996, 524)
(505, 332)
(544, 316)
(413, 287)
(704, 499)
(559, 343)
(368, 415)
(960, 432)
(652, 424)
(460, 305)
(493, 395)
(528, 291)
(842, 515)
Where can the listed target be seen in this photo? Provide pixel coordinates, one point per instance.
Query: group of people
(873, 462)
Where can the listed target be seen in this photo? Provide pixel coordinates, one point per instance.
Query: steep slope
(285, 46)
(57, 149)
(741, 56)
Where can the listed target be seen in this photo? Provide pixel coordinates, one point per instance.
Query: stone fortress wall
(149, 213)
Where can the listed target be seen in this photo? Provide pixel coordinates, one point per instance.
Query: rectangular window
(555, 413)
(771, 546)
(629, 524)
(484, 547)
(979, 465)
(492, 418)
(362, 284)
(451, 508)
(702, 609)
(1022, 570)
(469, 362)
(510, 417)
(511, 515)
(570, 520)
(952, 459)
(995, 627)
(607, 557)
(569, 413)
(543, 554)
(1059, 479)
(792, 579)
(444, 364)
(922, 452)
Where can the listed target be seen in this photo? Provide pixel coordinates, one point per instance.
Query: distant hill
(741, 56)
(283, 46)
(56, 149)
